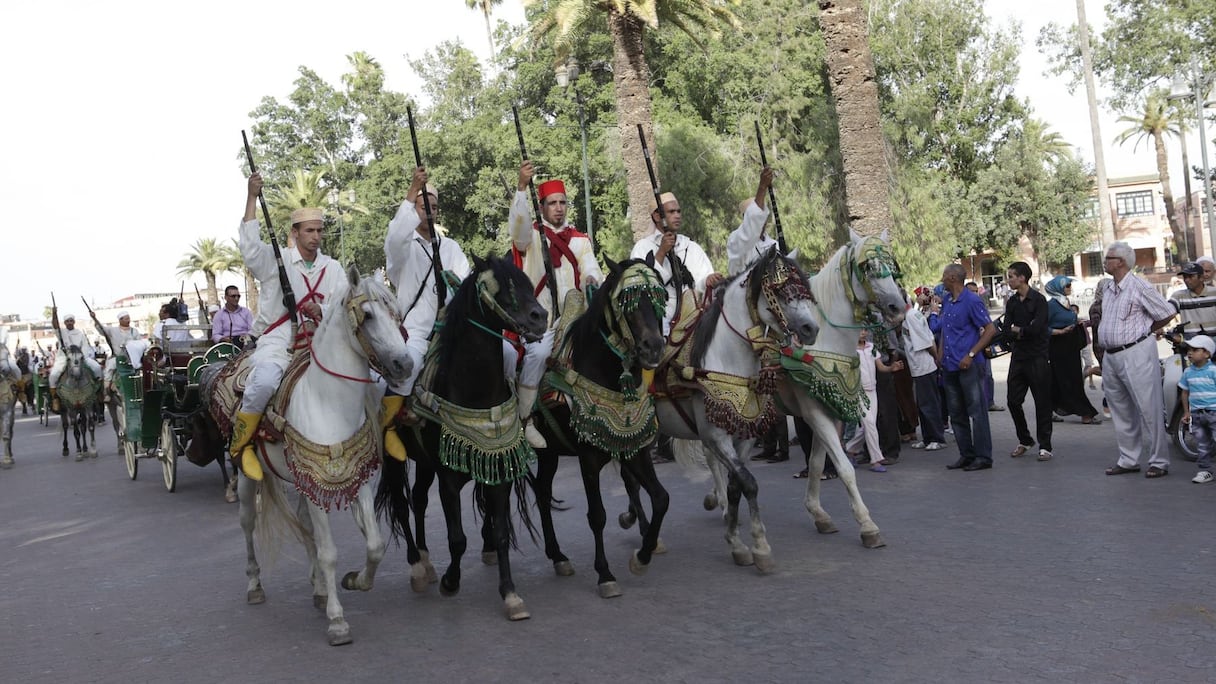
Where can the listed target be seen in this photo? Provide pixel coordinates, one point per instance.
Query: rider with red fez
(318, 283)
(72, 337)
(409, 263)
(574, 267)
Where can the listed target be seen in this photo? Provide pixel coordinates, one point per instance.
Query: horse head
(781, 296)
(7, 367)
(632, 301)
(497, 294)
(76, 367)
(373, 315)
(873, 271)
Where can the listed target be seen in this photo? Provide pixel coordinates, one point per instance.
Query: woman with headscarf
(1067, 387)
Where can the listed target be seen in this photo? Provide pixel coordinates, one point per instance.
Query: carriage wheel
(128, 454)
(168, 455)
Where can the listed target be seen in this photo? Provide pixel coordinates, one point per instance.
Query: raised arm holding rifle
(124, 341)
(303, 277)
(69, 336)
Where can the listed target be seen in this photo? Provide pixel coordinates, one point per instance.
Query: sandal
(1020, 451)
(1092, 420)
(802, 474)
(1120, 470)
(1154, 471)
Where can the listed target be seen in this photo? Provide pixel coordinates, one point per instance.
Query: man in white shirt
(72, 337)
(574, 267)
(408, 253)
(922, 364)
(318, 283)
(748, 242)
(696, 271)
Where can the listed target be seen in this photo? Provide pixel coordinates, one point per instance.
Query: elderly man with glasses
(232, 322)
(1132, 310)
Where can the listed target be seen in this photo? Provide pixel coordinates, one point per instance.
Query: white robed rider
(749, 241)
(125, 341)
(318, 283)
(574, 266)
(72, 337)
(699, 271)
(410, 268)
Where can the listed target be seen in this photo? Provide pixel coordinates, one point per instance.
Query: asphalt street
(1028, 572)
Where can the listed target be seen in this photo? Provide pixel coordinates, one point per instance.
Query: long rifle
(202, 307)
(677, 267)
(772, 196)
(289, 297)
(540, 223)
(100, 327)
(55, 321)
(441, 288)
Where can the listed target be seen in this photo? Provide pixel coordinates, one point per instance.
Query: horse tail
(690, 454)
(275, 520)
(393, 500)
(520, 487)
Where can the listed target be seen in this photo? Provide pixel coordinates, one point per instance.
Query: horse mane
(823, 281)
(585, 330)
(704, 335)
(376, 289)
(464, 303)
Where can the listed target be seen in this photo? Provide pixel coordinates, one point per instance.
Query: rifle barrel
(539, 222)
(289, 297)
(441, 289)
(772, 196)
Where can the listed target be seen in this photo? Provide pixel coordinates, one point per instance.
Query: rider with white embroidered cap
(318, 283)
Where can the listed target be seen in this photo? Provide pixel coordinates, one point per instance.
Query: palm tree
(1156, 120)
(308, 190)
(628, 20)
(251, 283)
(486, 6)
(210, 257)
(1052, 146)
(854, 87)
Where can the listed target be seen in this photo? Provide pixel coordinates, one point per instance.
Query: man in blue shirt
(966, 330)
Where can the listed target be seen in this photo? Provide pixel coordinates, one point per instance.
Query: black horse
(470, 394)
(607, 347)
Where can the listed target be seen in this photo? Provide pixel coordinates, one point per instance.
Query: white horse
(769, 298)
(858, 280)
(9, 377)
(332, 444)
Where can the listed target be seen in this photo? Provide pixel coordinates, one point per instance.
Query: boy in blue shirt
(1198, 385)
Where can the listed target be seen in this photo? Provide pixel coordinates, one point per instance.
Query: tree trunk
(855, 92)
(1163, 168)
(632, 86)
(212, 292)
(485, 10)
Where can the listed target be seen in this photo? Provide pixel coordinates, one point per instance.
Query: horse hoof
(826, 527)
(516, 610)
(626, 520)
(489, 557)
(80, 457)
(636, 566)
(255, 596)
(350, 581)
(6, 464)
(872, 540)
(764, 562)
(564, 568)
(710, 501)
(339, 633)
(660, 547)
(418, 583)
(65, 453)
(609, 590)
(448, 589)
(319, 601)
(431, 576)
(230, 496)
(743, 557)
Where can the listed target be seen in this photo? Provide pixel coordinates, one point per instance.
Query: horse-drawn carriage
(157, 402)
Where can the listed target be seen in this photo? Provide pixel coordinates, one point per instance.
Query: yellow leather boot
(390, 406)
(241, 445)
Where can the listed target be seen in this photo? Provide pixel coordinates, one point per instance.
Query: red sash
(559, 247)
(310, 296)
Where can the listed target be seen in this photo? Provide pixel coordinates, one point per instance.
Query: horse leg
(642, 469)
(499, 501)
(393, 504)
(327, 556)
(716, 498)
(254, 593)
(546, 470)
(590, 465)
(364, 511)
(229, 481)
(719, 446)
(320, 593)
(762, 553)
(6, 432)
(818, 448)
(489, 544)
(424, 477)
(634, 513)
(871, 538)
(64, 424)
(450, 484)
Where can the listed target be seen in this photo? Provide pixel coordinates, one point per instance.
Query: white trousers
(61, 364)
(1131, 381)
(535, 356)
(270, 359)
(867, 431)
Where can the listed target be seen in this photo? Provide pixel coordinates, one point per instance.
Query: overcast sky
(121, 120)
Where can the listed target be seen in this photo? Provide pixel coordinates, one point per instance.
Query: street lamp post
(566, 74)
(1198, 85)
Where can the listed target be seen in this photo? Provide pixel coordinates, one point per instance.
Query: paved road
(1027, 572)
